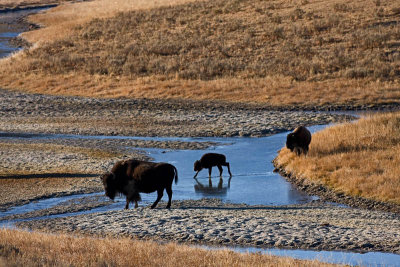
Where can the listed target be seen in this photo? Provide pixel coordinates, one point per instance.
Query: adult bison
(299, 140)
(131, 177)
(210, 160)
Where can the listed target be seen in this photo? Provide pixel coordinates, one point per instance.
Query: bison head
(108, 180)
(197, 166)
(290, 141)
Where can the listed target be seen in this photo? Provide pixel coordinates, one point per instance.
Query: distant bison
(209, 160)
(299, 140)
(130, 177)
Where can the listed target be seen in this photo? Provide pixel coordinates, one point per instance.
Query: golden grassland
(359, 159)
(278, 52)
(19, 248)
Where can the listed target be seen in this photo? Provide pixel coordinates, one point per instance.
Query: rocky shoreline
(35, 113)
(315, 225)
(327, 194)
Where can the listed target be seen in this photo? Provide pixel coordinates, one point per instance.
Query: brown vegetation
(273, 52)
(359, 159)
(18, 248)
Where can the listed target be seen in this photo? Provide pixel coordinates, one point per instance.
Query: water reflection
(210, 190)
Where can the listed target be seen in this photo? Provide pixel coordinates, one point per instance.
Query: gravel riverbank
(90, 116)
(316, 225)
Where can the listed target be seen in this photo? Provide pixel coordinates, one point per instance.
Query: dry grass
(60, 22)
(359, 159)
(19, 248)
(275, 52)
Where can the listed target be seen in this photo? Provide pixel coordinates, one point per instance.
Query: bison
(210, 160)
(299, 140)
(130, 177)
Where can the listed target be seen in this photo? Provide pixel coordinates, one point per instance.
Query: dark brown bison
(299, 140)
(131, 177)
(210, 160)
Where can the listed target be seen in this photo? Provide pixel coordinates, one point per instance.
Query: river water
(11, 25)
(253, 181)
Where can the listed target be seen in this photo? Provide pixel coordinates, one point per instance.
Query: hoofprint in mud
(316, 225)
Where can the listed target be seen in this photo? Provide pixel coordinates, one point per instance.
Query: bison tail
(176, 175)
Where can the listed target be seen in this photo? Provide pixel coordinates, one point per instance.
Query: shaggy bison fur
(299, 140)
(210, 160)
(131, 177)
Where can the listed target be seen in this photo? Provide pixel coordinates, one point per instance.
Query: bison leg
(229, 168)
(136, 204)
(196, 175)
(169, 192)
(159, 196)
(127, 204)
(220, 170)
(209, 172)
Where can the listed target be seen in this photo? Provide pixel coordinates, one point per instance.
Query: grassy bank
(359, 159)
(274, 52)
(18, 248)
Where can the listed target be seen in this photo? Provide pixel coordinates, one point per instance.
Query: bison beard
(130, 177)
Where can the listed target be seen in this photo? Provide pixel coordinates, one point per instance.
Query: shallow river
(253, 181)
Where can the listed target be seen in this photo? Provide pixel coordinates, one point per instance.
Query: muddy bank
(330, 195)
(314, 225)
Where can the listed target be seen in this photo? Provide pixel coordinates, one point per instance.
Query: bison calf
(131, 177)
(210, 160)
(299, 140)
